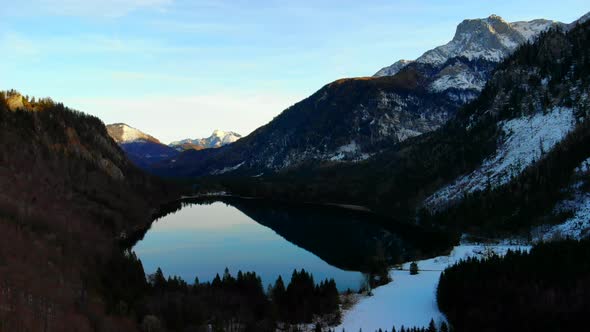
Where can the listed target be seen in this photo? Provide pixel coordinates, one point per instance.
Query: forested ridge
(547, 289)
(227, 303)
(68, 195)
(551, 72)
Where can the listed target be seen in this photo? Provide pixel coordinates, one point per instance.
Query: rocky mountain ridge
(350, 120)
(217, 139)
(490, 39)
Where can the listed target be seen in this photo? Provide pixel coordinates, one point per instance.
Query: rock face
(218, 139)
(490, 39)
(393, 69)
(351, 119)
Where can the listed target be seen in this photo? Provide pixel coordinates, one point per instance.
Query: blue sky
(180, 68)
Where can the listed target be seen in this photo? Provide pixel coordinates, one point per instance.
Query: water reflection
(201, 238)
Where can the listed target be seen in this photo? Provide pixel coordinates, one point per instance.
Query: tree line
(227, 303)
(546, 289)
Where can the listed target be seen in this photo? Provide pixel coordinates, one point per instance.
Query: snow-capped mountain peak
(490, 39)
(393, 69)
(123, 133)
(218, 133)
(217, 139)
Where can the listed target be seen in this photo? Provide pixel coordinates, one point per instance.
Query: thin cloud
(140, 76)
(14, 43)
(95, 8)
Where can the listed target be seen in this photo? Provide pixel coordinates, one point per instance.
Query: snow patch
(530, 30)
(349, 152)
(410, 300)
(577, 226)
(227, 169)
(217, 139)
(463, 80)
(525, 141)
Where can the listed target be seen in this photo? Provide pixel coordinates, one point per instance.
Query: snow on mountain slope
(142, 149)
(581, 20)
(217, 139)
(578, 204)
(458, 79)
(490, 39)
(123, 133)
(531, 29)
(393, 69)
(524, 141)
(224, 137)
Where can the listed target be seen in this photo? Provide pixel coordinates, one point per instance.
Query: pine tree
(431, 326)
(158, 280)
(414, 268)
(216, 283)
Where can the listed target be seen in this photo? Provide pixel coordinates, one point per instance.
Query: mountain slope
(217, 139)
(68, 196)
(123, 133)
(509, 155)
(490, 39)
(350, 120)
(393, 69)
(142, 149)
(345, 120)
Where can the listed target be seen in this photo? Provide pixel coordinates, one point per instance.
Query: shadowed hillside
(68, 195)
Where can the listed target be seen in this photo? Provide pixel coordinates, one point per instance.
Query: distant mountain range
(218, 139)
(145, 150)
(351, 120)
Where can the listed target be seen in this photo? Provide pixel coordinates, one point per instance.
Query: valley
(453, 187)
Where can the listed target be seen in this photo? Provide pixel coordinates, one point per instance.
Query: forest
(227, 303)
(546, 289)
(397, 181)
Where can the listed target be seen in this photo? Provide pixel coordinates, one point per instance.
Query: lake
(200, 238)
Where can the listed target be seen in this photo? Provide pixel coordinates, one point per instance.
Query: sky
(182, 68)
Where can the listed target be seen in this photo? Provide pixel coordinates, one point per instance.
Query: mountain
(351, 120)
(218, 139)
(68, 197)
(515, 157)
(143, 149)
(490, 39)
(393, 69)
(123, 133)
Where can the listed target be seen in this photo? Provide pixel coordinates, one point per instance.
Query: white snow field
(525, 140)
(578, 225)
(410, 300)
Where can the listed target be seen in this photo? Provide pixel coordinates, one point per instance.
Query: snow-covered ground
(524, 142)
(578, 225)
(462, 79)
(410, 300)
(227, 169)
